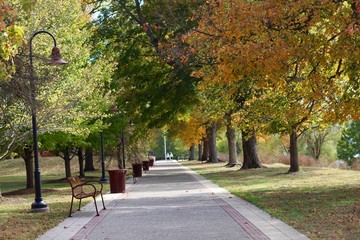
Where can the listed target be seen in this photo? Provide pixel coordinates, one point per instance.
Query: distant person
(167, 156)
(171, 155)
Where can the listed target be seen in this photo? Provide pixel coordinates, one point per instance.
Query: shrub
(356, 165)
(339, 164)
(307, 161)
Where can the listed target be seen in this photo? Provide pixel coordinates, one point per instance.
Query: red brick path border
(250, 228)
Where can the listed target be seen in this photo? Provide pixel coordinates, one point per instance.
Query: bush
(356, 165)
(307, 161)
(268, 159)
(340, 164)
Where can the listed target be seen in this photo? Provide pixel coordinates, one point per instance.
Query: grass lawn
(16, 222)
(321, 203)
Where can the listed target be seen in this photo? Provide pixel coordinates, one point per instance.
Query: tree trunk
(213, 151)
(231, 139)
(200, 148)
(315, 141)
(192, 152)
(238, 144)
(28, 156)
(205, 152)
(315, 148)
(251, 159)
(119, 155)
(318, 146)
(81, 162)
(294, 154)
(89, 160)
(67, 163)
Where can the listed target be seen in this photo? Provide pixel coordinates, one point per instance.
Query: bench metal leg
(97, 212)
(102, 199)
(79, 204)
(72, 200)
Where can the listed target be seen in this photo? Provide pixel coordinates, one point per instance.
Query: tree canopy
(257, 66)
(298, 56)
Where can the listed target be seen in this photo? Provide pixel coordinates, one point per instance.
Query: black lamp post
(103, 177)
(131, 123)
(39, 205)
(123, 147)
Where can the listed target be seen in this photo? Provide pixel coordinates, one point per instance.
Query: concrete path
(171, 202)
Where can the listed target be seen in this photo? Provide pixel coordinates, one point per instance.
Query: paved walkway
(171, 202)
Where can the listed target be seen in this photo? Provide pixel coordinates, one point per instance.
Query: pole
(123, 147)
(164, 147)
(39, 205)
(103, 177)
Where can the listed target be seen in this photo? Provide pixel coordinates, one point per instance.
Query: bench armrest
(84, 188)
(95, 182)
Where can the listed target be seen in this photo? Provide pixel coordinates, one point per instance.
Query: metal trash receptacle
(137, 169)
(145, 165)
(117, 180)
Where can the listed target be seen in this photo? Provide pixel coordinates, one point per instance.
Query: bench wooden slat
(86, 189)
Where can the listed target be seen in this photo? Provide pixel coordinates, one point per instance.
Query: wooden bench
(86, 189)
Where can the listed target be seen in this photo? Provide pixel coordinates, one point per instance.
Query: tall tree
(317, 65)
(152, 86)
(11, 39)
(231, 96)
(315, 139)
(67, 98)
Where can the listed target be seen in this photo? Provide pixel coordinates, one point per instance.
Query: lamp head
(56, 57)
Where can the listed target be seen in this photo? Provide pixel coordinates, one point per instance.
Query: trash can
(137, 169)
(117, 180)
(151, 161)
(145, 165)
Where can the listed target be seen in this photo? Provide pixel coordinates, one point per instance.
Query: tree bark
(316, 147)
(200, 148)
(81, 162)
(213, 151)
(294, 153)
(251, 159)
(231, 139)
(192, 152)
(28, 156)
(89, 160)
(315, 141)
(67, 163)
(205, 152)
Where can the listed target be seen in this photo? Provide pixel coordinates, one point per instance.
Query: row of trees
(258, 66)
(293, 63)
(190, 67)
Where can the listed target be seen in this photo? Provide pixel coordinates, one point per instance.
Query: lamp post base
(103, 180)
(39, 207)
